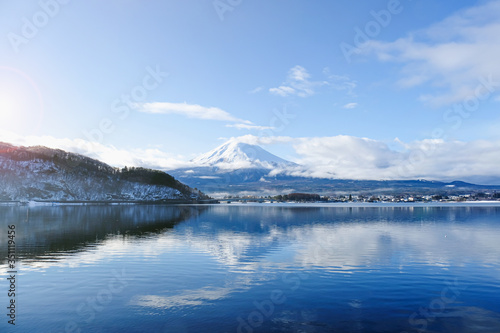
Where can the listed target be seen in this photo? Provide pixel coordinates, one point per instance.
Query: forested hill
(41, 173)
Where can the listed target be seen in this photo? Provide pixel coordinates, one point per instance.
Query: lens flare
(21, 102)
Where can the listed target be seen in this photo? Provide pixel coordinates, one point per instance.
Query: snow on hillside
(40, 173)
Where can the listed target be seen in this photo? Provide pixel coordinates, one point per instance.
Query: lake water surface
(253, 268)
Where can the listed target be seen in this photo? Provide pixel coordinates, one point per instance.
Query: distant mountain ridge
(238, 168)
(41, 173)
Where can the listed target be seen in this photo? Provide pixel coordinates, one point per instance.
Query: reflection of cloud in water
(335, 247)
(195, 297)
(347, 246)
(226, 247)
(351, 246)
(188, 298)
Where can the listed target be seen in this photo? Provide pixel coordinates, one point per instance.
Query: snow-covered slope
(238, 155)
(40, 173)
(233, 166)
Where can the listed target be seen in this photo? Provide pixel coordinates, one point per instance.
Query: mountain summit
(238, 155)
(232, 166)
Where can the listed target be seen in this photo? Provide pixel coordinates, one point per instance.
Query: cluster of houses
(417, 198)
(302, 197)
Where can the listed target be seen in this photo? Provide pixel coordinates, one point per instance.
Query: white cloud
(340, 82)
(451, 56)
(198, 112)
(361, 158)
(250, 127)
(350, 106)
(189, 110)
(299, 74)
(256, 90)
(297, 83)
(282, 91)
(345, 157)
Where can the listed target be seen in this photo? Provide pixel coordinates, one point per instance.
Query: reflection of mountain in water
(344, 251)
(342, 238)
(242, 236)
(43, 229)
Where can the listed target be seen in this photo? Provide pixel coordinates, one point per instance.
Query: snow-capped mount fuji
(238, 155)
(234, 165)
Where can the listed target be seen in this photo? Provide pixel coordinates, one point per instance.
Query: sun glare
(7, 106)
(21, 104)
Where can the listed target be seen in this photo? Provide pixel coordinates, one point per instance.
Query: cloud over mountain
(361, 158)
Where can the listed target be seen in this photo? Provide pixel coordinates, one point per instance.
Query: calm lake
(253, 268)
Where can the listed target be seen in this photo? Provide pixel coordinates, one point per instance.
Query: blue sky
(156, 83)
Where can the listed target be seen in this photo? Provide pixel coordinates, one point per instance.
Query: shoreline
(35, 203)
(32, 203)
